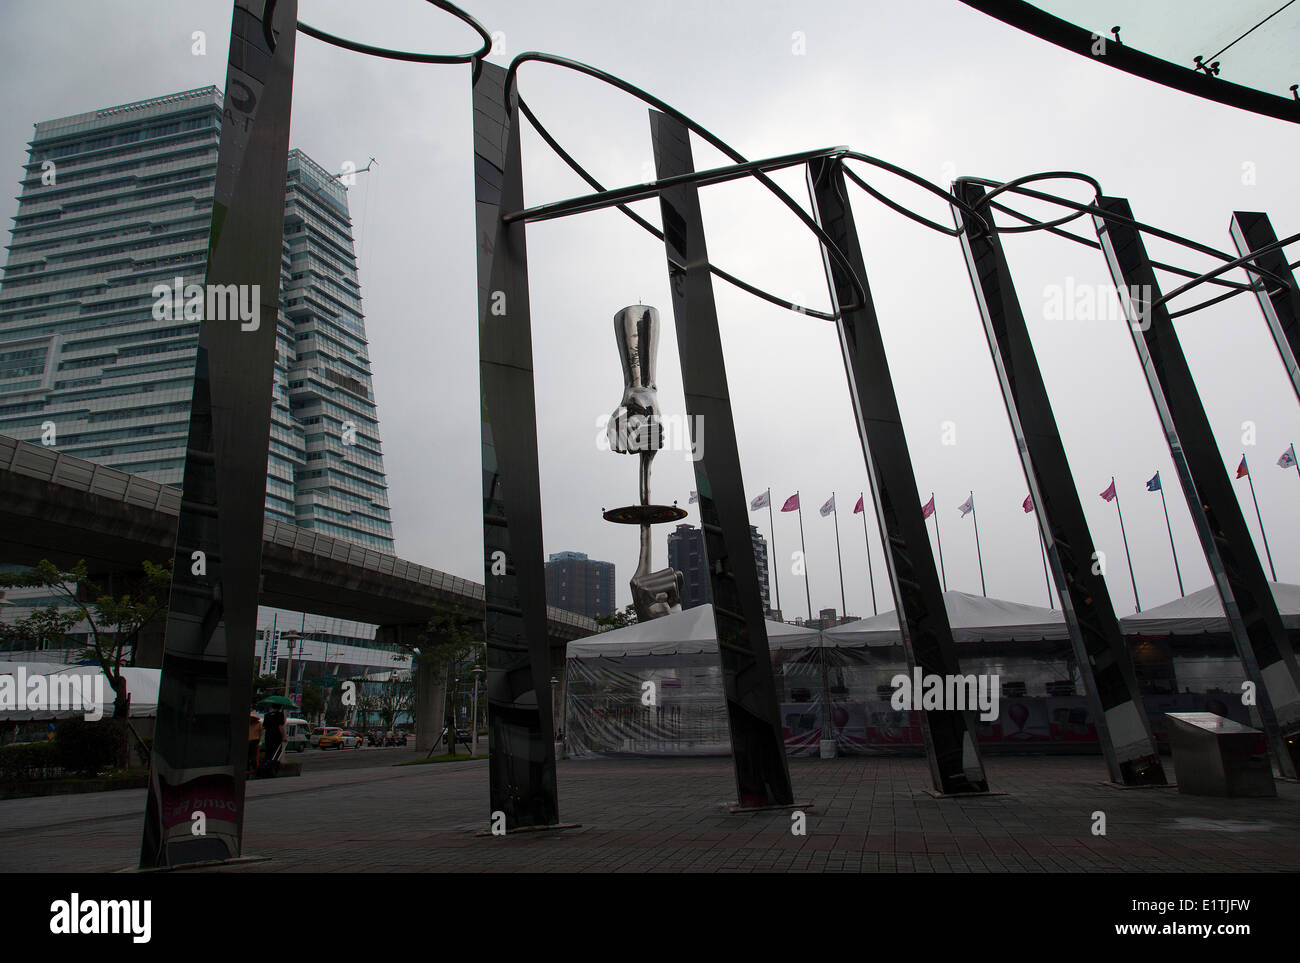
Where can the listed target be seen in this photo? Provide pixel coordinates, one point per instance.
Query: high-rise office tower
(580, 584)
(686, 554)
(116, 203)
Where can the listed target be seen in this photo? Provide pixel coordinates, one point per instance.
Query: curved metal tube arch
(753, 169)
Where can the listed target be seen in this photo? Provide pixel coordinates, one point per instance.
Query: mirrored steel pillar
(1252, 612)
(757, 742)
(201, 741)
(950, 745)
(520, 726)
(1114, 699)
(1281, 305)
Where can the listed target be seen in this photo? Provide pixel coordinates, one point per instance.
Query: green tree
(449, 640)
(313, 702)
(114, 621)
(617, 620)
(45, 628)
(394, 697)
(266, 685)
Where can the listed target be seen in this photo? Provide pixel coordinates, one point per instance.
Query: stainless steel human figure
(635, 428)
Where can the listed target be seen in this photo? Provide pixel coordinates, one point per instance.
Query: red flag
(791, 503)
(1242, 470)
(1028, 503)
(858, 507)
(1109, 493)
(928, 508)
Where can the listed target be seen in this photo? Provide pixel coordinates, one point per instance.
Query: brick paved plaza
(870, 815)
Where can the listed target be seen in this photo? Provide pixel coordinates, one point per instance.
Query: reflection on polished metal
(201, 741)
(1252, 612)
(635, 428)
(1115, 701)
(950, 744)
(1215, 756)
(520, 724)
(1280, 303)
(757, 743)
(1122, 56)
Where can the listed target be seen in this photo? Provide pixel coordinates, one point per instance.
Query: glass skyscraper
(115, 202)
(686, 554)
(580, 584)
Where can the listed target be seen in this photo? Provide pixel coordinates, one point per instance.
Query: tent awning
(689, 632)
(974, 618)
(141, 686)
(1201, 612)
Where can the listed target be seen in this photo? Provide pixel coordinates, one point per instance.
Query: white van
(296, 733)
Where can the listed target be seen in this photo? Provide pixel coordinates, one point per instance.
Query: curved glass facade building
(117, 201)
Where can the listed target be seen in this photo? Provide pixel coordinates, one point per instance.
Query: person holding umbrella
(273, 724)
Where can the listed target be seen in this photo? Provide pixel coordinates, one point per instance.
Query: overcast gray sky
(930, 85)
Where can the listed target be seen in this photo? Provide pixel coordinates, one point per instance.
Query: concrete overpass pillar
(430, 682)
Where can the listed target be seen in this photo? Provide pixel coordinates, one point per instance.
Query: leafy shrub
(28, 760)
(87, 747)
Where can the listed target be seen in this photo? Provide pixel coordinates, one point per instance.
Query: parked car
(297, 734)
(331, 738)
(351, 740)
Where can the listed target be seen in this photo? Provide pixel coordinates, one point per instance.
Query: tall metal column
(1252, 612)
(201, 740)
(1114, 698)
(950, 744)
(1281, 306)
(520, 726)
(757, 742)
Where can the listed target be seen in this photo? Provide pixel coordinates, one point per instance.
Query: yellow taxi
(337, 738)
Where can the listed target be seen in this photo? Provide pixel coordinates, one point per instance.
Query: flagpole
(943, 574)
(1169, 528)
(1260, 519)
(1136, 602)
(1295, 461)
(1042, 547)
(776, 581)
(804, 550)
(867, 539)
(835, 511)
(974, 515)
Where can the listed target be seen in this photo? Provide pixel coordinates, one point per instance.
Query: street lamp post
(293, 637)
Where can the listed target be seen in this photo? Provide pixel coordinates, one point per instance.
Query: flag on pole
(928, 508)
(762, 501)
(695, 497)
(1028, 504)
(1288, 458)
(967, 506)
(858, 507)
(828, 507)
(1242, 470)
(791, 503)
(1109, 493)
(1153, 484)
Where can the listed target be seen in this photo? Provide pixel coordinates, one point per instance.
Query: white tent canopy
(974, 618)
(689, 632)
(141, 686)
(1202, 612)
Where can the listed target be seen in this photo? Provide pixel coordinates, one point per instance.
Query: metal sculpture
(635, 428)
(233, 383)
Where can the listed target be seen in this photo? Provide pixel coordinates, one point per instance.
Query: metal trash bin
(1214, 756)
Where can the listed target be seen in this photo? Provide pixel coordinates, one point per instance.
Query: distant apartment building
(686, 554)
(580, 584)
(118, 201)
